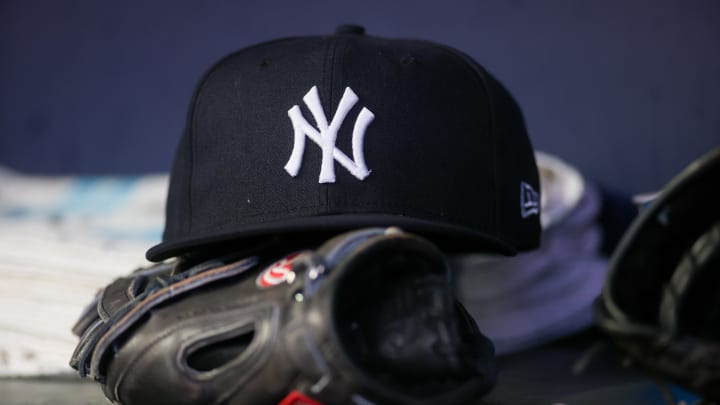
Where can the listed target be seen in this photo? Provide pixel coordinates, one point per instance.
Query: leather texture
(660, 301)
(368, 318)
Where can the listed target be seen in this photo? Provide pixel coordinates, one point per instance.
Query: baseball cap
(328, 133)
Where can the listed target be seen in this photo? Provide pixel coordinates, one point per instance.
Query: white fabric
(61, 238)
(562, 187)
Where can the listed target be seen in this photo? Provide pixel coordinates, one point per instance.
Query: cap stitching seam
(196, 100)
(321, 192)
(332, 105)
(199, 100)
(464, 59)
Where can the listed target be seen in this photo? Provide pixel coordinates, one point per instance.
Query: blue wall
(628, 91)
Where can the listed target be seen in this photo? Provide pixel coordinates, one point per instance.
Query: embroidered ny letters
(325, 136)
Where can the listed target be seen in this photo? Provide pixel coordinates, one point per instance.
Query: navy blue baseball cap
(328, 133)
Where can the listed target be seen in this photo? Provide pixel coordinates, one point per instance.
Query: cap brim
(449, 237)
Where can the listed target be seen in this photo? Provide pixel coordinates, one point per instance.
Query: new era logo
(529, 200)
(325, 136)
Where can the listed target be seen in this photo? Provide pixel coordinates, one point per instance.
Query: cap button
(350, 29)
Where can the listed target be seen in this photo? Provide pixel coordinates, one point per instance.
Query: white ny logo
(327, 135)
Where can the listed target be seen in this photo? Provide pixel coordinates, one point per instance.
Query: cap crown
(342, 131)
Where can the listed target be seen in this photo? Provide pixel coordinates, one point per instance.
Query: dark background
(626, 90)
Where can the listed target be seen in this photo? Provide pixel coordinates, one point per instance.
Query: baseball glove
(367, 318)
(661, 301)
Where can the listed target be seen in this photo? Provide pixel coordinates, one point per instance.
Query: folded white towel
(62, 238)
